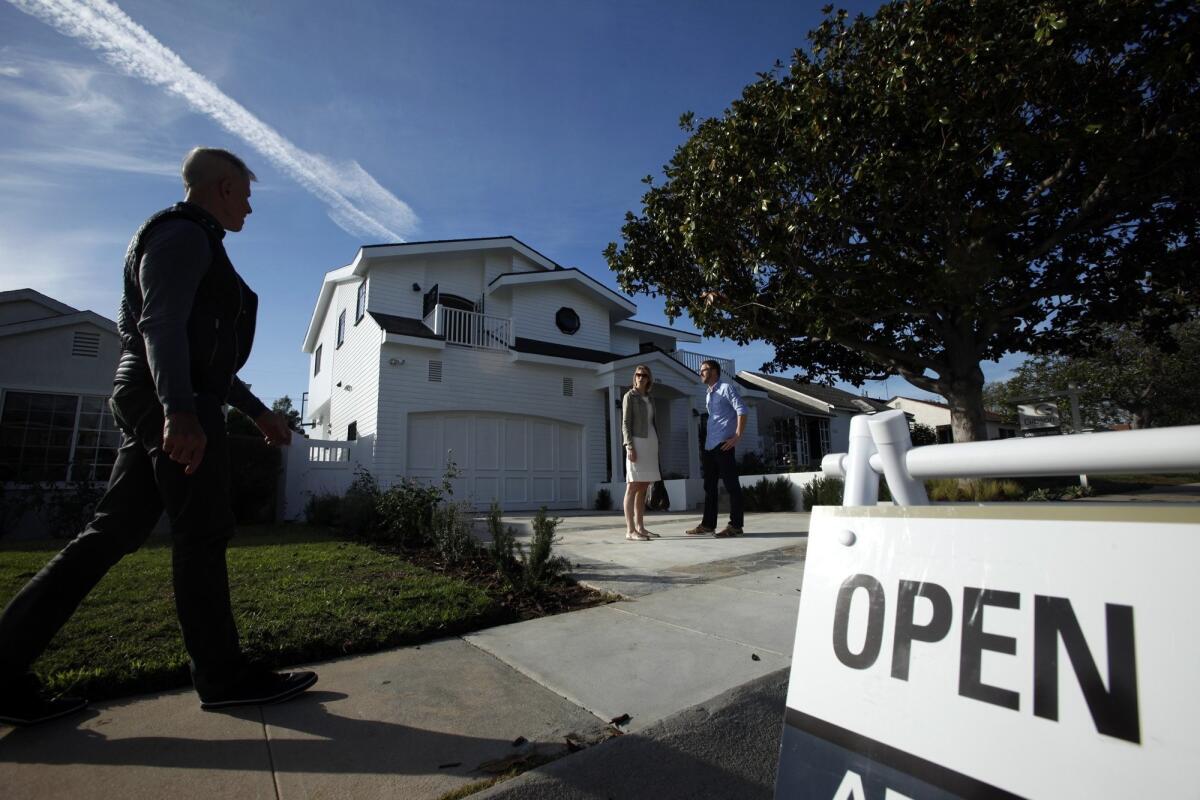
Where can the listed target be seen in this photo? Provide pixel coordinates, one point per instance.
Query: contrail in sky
(357, 203)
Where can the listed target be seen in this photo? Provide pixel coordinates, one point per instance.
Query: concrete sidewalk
(703, 617)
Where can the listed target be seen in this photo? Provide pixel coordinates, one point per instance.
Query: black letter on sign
(841, 621)
(1115, 710)
(975, 641)
(907, 632)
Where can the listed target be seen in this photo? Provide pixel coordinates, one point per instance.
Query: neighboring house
(802, 422)
(56, 373)
(489, 353)
(937, 416)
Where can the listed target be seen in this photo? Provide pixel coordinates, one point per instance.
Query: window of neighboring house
(360, 308)
(945, 434)
(53, 437)
(786, 441)
(317, 361)
(1006, 433)
(352, 432)
(341, 336)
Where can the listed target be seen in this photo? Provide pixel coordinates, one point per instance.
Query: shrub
(539, 567)
(1071, 492)
(254, 468)
(359, 514)
(780, 491)
(922, 434)
(751, 463)
(69, 508)
(504, 548)
(973, 491)
(406, 509)
(823, 491)
(450, 530)
(603, 500)
(16, 500)
(323, 508)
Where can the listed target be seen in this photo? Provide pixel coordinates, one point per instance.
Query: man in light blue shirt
(726, 424)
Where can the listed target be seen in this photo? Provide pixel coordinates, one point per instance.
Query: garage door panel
(515, 444)
(487, 443)
(522, 462)
(516, 490)
(541, 442)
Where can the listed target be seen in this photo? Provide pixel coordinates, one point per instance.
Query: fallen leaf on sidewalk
(520, 740)
(754, 657)
(621, 720)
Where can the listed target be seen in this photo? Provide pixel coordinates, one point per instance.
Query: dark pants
(718, 464)
(144, 482)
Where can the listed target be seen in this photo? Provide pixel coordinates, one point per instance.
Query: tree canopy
(935, 186)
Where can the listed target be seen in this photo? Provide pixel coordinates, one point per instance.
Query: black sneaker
(261, 688)
(23, 702)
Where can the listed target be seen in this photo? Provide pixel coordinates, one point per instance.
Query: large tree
(935, 186)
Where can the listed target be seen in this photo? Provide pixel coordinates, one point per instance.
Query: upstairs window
(317, 361)
(341, 336)
(360, 309)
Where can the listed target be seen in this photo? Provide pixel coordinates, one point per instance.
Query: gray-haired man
(186, 323)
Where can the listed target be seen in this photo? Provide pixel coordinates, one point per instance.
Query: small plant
(540, 567)
(780, 491)
(450, 529)
(16, 500)
(406, 509)
(504, 550)
(823, 491)
(972, 491)
(322, 508)
(769, 495)
(603, 500)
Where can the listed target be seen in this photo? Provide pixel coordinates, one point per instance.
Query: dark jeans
(144, 482)
(718, 464)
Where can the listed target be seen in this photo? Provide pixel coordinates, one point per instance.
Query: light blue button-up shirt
(725, 405)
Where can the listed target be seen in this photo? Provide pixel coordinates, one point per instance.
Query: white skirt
(645, 469)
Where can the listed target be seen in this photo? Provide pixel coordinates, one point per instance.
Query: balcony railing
(692, 361)
(469, 329)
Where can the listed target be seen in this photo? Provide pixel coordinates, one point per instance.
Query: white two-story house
(487, 353)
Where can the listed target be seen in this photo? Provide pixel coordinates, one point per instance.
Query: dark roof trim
(537, 348)
(468, 239)
(404, 326)
(784, 400)
(577, 270)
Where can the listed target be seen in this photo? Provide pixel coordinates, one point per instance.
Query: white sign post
(1020, 650)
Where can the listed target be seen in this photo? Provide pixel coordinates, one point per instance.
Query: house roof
(815, 396)
(539, 348)
(403, 326)
(63, 320)
(574, 275)
(34, 296)
(991, 416)
(661, 330)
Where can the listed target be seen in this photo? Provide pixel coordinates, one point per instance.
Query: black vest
(221, 324)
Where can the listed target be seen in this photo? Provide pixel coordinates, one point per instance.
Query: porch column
(614, 431)
(693, 450)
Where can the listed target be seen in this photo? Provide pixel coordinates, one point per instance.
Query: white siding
(624, 342)
(354, 364)
(534, 307)
(482, 381)
(391, 289)
(42, 360)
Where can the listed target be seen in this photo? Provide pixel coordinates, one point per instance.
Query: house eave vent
(568, 387)
(435, 371)
(86, 345)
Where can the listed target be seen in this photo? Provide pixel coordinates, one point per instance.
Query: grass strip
(299, 594)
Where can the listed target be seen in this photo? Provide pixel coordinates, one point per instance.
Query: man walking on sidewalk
(186, 323)
(726, 423)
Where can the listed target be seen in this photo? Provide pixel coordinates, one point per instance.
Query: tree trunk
(965, 398)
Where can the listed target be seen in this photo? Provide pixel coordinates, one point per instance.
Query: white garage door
(522, 462)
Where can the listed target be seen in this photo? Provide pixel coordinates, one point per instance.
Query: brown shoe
(699, 530)
(727, 532)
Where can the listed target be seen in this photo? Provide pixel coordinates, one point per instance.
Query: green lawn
(299, 594)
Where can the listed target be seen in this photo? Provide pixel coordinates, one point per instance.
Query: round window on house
(567, 321)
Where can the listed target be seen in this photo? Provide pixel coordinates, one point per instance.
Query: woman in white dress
(641, 452)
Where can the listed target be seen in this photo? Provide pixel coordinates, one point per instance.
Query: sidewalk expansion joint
(270, 756)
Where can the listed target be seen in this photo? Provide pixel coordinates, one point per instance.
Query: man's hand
(632, 455)
(184, 440)
(731, 442)
(274, 428)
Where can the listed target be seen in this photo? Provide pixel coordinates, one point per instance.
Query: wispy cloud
(357, 203)
(92, 159)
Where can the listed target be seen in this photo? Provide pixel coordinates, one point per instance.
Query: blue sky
(365, 122)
